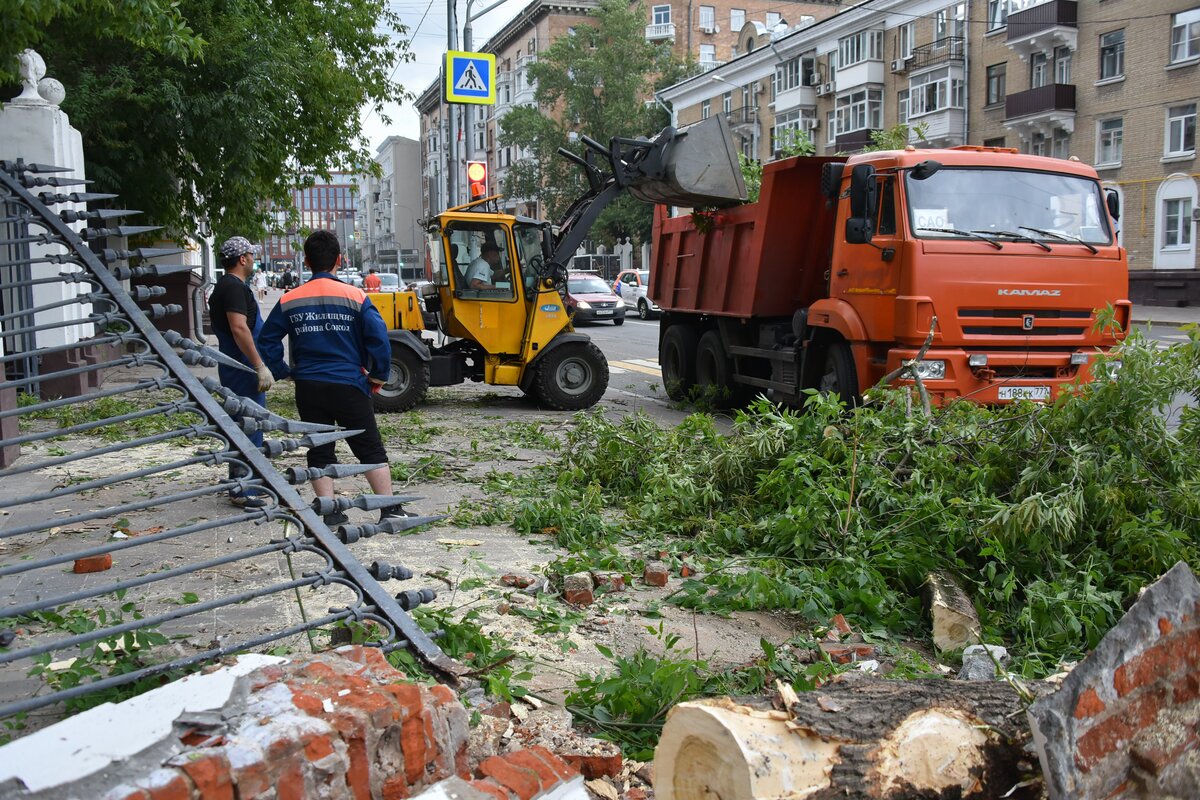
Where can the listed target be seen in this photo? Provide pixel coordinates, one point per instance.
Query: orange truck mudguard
(834, 278)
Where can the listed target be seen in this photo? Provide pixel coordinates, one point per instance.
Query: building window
(862, 46)
(1177, 222)
(737, 18)
(783, 132)
(662, 15)
(996, 75)
(1038, 145)
(705, 109)
(950, 21)
(1038, 72)
(1062, 65)
(997, 14)
(708, 56)
(787, 76)
(727, 102)
(861, 110)
(1110, 135)
(902, 106)
(934, 91)
(708, 18)
(997, 142)
(1112, 55)
(1181, 130)
(831, 128)
(1185, 35)
(773, 19)
(904, 41)
(1060, 145)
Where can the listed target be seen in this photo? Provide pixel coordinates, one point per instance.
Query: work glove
(375, 386)
(265, 379)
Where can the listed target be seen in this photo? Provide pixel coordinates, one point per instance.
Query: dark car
(589, 299)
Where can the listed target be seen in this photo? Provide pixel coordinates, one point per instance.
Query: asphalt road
(632, 353)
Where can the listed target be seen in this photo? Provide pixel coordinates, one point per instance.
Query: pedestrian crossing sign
(470, 78)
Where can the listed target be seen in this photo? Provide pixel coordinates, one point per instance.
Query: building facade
(326, 205)
(1113, 83)
(389, 208)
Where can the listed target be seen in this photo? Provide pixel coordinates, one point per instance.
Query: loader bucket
(700, 167)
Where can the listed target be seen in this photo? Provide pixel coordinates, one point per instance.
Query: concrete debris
(578, 589)
(980, 660)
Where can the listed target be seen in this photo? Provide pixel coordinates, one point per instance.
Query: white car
(388, 282)
(632, 285)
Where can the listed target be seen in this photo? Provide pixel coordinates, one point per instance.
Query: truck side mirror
(925, 170)
(864, 204)
(1113, 201)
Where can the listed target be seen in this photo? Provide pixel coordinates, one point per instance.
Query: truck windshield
(1007, 203)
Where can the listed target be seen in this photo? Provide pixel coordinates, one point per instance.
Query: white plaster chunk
(88, 742)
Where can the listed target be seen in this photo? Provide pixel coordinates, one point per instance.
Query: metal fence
(131, 479)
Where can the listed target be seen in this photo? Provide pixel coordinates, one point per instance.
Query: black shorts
(344, 405)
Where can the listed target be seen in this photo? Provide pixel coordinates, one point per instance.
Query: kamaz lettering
(1029, 292)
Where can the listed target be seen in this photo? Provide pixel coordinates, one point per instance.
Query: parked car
(589, 299)
(631, 286)
(388, 282)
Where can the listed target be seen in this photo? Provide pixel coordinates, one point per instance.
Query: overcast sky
(426, 21)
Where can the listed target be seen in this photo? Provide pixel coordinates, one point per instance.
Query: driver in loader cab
(479, 274)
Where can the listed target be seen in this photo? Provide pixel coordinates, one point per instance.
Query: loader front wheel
(572, 377)
(407, 383)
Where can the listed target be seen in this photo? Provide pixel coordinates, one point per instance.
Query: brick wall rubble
(1126, 721)
(343, 724)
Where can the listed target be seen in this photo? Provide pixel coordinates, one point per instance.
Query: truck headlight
(584, 304)
(931, 370)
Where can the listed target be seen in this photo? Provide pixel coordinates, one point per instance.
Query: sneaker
(249, 500)
(395, 512)
(336, 518)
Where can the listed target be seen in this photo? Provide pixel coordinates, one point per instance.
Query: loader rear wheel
(677, 358)
(572, 376)
(407, 383)
(839, 376)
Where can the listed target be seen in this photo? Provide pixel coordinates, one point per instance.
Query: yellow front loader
(512, 328)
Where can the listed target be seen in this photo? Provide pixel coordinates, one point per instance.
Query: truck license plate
(604, 312)
(1024, 392)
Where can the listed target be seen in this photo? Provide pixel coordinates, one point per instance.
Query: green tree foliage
(150, 25)
(1053, 516)
(597, 82)
(794, 143)
(273, 100)
(897, 137)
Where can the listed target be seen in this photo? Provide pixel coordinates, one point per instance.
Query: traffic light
(477, 177)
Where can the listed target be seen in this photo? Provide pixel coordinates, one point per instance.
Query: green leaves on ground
(1053, 516)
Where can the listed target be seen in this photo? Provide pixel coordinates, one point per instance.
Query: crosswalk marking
(616, 370)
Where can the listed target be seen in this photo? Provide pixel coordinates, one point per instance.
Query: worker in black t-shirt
(236, 322)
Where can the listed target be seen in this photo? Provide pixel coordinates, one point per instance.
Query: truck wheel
(643, 309)
(839, 376)
(714, 372)
(571, 377)
(406, 384)
(677, 358)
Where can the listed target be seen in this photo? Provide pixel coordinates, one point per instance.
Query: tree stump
(856, 737)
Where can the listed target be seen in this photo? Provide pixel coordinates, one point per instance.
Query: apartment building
(1115, 83)
(389, 207)
(711, 34)
(326, 205)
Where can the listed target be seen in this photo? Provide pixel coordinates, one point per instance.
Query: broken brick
(846, 653)
(93, 564)
(655, 574)
(578, 589)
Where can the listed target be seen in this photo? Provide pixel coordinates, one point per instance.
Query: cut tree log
(860, 736)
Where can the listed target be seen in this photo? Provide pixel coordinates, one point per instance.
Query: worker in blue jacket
(340, 355)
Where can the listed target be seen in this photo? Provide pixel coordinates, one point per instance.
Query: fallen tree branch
(910, 366)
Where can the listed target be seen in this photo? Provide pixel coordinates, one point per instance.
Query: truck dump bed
(762, 259)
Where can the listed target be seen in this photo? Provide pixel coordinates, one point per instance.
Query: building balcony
(525, 60)
(944, 128)
(708, 65)
(1043, 28)
(800, 97)
(948, 50)
(1041, 110)
(860, 74)
(527, 94)
(655, 33)
(854, 140)
(744, 117)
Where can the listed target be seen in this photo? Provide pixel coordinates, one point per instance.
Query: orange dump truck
(835, 276)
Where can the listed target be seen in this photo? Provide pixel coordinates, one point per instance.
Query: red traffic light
(477, 176)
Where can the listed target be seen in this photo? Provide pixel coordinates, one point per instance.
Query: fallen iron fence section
(121, 559)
